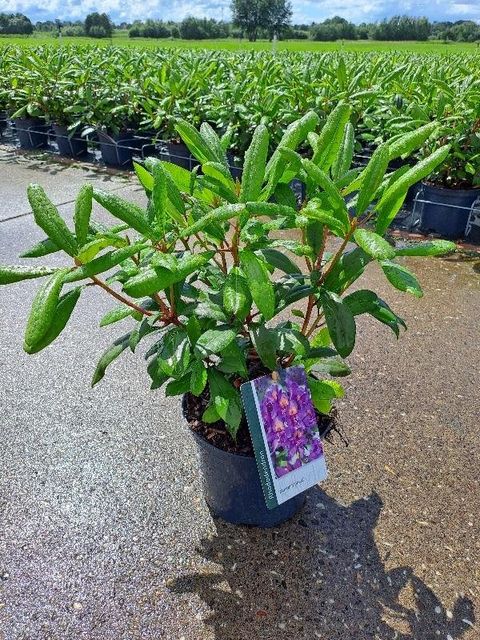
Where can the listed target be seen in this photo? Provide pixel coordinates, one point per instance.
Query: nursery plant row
(128, 100)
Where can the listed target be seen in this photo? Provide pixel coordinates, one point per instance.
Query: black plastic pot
(299, 189)
(236, 168)
(32, 133)
(3, 121)
(472, 232)
(70, 145)
(177, 153)
(233, 491)
(118, 150)
(445, 211)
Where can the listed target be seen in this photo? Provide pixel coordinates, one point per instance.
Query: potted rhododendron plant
(225, 281)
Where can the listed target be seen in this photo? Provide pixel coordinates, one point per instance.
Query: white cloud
(303, 10)
(118, 9)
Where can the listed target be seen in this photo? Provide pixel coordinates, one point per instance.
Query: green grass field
(121, 39)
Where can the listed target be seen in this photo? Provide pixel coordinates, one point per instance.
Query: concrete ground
(104, 533)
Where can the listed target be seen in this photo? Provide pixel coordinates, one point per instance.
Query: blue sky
(303, 10)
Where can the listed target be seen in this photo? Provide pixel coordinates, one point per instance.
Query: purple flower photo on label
(289, 420)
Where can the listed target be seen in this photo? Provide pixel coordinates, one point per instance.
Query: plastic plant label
(285, 436)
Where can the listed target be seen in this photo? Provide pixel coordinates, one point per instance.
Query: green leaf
(208, 309)
(340, 322)
(195, 142)
(42, 248)
(315, 210)
(159, 200)
(219, 189)
(323, 392)
(83, 211)
(145, 178)
(258, 280)
(153, 279)
(126, 211)
(173, 357)
(404, 145)
(361, 301)
(315, 233)
(47, 217)
(372, 178)
(117, 348)
(226, 400)
(174, 193)
(233, 360)
(373, 244)
(345, 153)
(321, 179)
(220, 173)
(116, 314)
(382, 312)
(332, 366)
(214, 341)
(294, 135)
(430, 248)
(63, 311)
(271, 209)
(365, 301)
(290, 340)
(349, 268)
(279, 260)
(265, 342)
(16, 273)
(237, 299)
(178, 387)
(198, 378)
(331, 136)
(103, 263)
(285, 196)
(401, 278)
(392, 199)
(214, 143)
(43, 310)
(210, 415)
(321, 338)
(254, 165)
(90, 250)
(220, 214)
(194, 329)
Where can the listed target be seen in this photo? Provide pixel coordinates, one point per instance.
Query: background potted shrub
(217, 296)
(63, 85)
(451, 190)
(111, 109)
(179, 88)
(25, 104)
(3, 102)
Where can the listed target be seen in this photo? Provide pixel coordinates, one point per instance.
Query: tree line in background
(252, 19)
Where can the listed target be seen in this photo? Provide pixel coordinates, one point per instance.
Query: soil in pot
(231, 481)
(445, 211)
(32, 133)
(118, 150)
(69, 145)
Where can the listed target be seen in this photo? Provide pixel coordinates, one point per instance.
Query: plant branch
(339, 253)
(315, 325)
(119, 297)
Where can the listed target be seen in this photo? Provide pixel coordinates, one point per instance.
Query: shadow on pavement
(319, 576)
